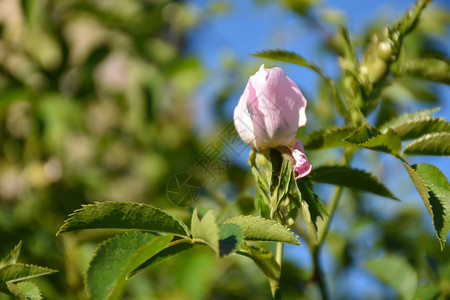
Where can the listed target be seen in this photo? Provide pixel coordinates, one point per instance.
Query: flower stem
(332, 208)
(276, 291)
(318, 273)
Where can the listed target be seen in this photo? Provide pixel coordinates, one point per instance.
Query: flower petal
(302, 165)
(270, 110)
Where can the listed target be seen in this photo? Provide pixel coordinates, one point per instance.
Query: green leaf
(230, 238)
(286, 56)
(434, 189)
(433, 69)
(123, 215)
(371, 138)
(413, 125)
(328, 138)
(12, 257)
(118, 257)
(30, 290)
(171, 249)
(415, 129)
(17, 272)
(410, 19)
(397, 273)
(351, 178)
(206, 229)
(263, 258)
(430, 144)
(311, 206)
(429, 291)
(12, 289)
(260, 229)
(265, 261)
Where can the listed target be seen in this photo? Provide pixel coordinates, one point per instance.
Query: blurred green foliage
(95, 105)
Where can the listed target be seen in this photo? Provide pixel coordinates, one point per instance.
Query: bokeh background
(109, 100)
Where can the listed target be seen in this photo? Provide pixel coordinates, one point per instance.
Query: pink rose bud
(270, 111)
(268, 114)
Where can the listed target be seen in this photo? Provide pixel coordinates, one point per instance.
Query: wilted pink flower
(270, 111)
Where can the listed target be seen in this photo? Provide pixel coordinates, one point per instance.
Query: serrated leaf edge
(372, 176)
(62, 229)
(364, 144)
(313, 136)
(33, 284)
(17, 248)
(287, 229)
(47, 272)
(423, 138)
(421, 115)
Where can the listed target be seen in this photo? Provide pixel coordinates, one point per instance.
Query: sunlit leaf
(410, 19)
(328, 138)
(12, 289)
(260, 229)
(396, 272)
(351, 178)
(230, 238)
(17, 272)
(30, 290)
(12, 257)
(370, 138)
(123, 215)
(263, 258)
(118, 257)
(430, 144)
(434, 189)
(206, 229)
(414, 125)
(171, 249)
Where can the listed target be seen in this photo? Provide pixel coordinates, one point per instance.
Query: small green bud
(376, 70)
(385, 50)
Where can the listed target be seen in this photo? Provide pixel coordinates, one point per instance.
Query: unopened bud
(385, 50)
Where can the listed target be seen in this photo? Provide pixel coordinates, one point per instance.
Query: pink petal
(302, 165)
(270, 110)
